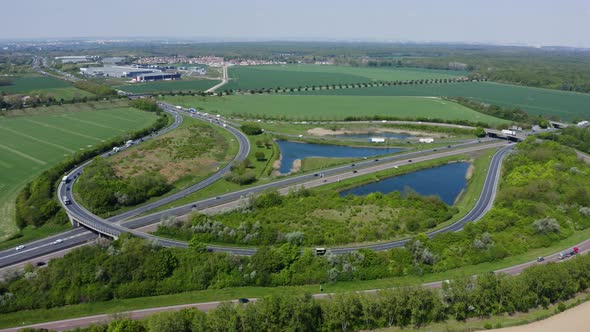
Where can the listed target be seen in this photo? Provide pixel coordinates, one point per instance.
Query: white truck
(116, 149)
(508, 132)
(66, 200)
(129, 143)
(65, 179)
(178, 107)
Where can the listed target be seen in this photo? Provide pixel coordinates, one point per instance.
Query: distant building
(377, 140)
(76, 58)
(117, 71)
(583, 124)
(426, 140)
(157, 77)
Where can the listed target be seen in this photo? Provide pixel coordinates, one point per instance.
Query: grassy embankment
(165, 155)
(34, 140)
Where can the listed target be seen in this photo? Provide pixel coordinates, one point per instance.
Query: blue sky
(531, 22)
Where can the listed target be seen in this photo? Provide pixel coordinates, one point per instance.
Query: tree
(259, 155)
(479, 132)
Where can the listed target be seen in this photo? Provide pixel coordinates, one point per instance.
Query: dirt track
(575, 319)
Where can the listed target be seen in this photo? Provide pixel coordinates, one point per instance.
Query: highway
(80, 322)
(78, 236)
(114, 225)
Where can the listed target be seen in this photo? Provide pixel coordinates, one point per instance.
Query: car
(540, 259)
(377, 159)
(58, 241)
(21, 247)
(316, 174)
(41, 264)
(409, 160)
(355, 171)
(448, 146)
(243, 300)
(217, 197)
(435, 150)
(352, 165)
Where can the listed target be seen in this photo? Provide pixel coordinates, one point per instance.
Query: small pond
(291, 151)
(445, 181)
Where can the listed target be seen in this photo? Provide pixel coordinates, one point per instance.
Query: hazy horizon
(501, 22)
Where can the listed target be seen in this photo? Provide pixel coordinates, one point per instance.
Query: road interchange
(116, 225)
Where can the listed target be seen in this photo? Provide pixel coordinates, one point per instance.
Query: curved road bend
(46, 247)
(78, 236)
(81, 322)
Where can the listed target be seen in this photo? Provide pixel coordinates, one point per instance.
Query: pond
(291, 151)
(445, 181)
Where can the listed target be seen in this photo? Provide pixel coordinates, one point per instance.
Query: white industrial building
(76, 58)
(117, 71)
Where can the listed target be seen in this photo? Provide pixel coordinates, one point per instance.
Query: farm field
(257, 77)
(166, 86)
(48, 85)
(30, 144)
(332, 107)
(568, 106)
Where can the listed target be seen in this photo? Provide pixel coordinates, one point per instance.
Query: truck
(568, 253)
(129, 143)
(65, 179)
(178, 107)
(508, 132)
(116, 149)
(66, 200)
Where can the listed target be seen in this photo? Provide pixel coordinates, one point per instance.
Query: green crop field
(166, 86)
(257, 77)
(566, 105)
(332, 107)
(48, 85)
(30, 144)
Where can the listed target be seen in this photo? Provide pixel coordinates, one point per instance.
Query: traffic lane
(184, 209)
(49, 239)
(206, 306)
(321, 181)
(47, 248)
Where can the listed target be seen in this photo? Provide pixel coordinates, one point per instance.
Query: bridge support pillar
(74, 222)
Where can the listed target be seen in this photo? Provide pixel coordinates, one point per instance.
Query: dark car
(352, 165)
(354, 171)
(41, 264)
(243, 300)
(409, 160)
(540, 259)
(376, 159)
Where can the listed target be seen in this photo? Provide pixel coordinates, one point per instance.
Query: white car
(58, 241)
(22, 246)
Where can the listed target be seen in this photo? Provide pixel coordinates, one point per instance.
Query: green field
(332, 107)
(257, 77)
(167, 86)
(566, 105)
(48, 85)
(30, 144)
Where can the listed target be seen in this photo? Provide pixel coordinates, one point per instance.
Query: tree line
(480, 297)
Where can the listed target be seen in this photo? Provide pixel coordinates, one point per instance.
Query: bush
(251, 129)
(546, 225)
(259, 155)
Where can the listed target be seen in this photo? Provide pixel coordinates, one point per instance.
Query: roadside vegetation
(173, 160)
(575, 137)
(528, 214)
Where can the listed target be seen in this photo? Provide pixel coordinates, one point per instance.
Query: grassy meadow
(257, 77)
(332, 107)
(43, 84)
(568, 106)
(34, 141)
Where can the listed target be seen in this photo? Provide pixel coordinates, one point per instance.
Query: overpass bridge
(517, 137)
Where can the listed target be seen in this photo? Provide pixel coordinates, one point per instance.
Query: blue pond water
(445, 181)
(290, 151)
(367, 136)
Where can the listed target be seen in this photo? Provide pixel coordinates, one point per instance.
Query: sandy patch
(574, 319)
(296, 166)
(342, 131)
(470, 171)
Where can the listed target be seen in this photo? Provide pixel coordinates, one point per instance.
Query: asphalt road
(81, 322)
(44, 246)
